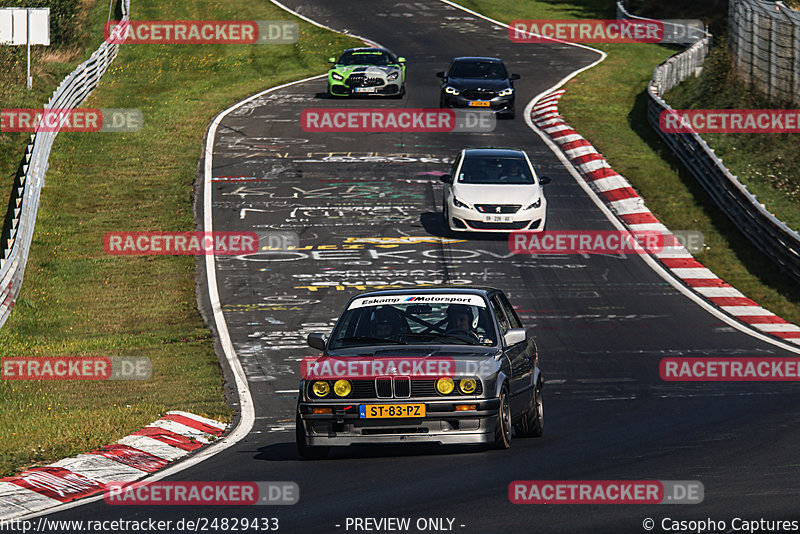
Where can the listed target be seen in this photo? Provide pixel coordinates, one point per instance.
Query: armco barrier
(765, 46)
(15, 240)
(771, 236)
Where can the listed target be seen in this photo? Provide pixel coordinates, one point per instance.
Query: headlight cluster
(451, 90)
(536, 204)
(457, 203)
(393, 76)
(322, 388)
(447, 385)
(506, 92)
(336, 76)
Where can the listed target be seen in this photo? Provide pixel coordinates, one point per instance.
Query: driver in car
(459, 320)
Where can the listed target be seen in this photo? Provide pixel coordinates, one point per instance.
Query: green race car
(368, 71)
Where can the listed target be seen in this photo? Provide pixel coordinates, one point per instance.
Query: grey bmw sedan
(448, 365)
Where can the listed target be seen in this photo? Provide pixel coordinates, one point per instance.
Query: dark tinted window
(495, 170)
(501, 316)
(378, 58)
(491, 70)
(510, 313)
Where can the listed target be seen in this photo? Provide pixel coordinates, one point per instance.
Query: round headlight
(467, 385)
(445, 385)
(342, 388)
(321, 389)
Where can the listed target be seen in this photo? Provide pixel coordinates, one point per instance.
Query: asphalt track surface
(602, 323)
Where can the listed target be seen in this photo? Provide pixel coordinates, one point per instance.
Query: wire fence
(18, 226)
(765, 46)
(770, 235)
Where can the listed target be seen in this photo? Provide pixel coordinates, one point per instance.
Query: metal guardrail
(765, 47)
(15, 240)
(769, 234)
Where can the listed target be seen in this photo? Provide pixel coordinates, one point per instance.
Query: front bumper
(468, 219)
(496, 104)
(374, 88)
(442, 424)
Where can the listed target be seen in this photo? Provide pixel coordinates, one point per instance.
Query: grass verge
(76, 300)
(607, 105)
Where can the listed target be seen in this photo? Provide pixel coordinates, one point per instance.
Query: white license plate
(365, 89)
(497, 218)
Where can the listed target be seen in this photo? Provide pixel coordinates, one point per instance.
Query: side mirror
(514, 77)
(544, 180)
(440, 74)
(331, 60)
(317, 340)
(401, 60)
(446, 178)
(514, 336)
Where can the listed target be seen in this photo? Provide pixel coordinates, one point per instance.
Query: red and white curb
(620, 197)
(135, 456)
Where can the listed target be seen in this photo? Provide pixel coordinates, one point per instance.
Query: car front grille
(361, 80)
(382, 388)
(474, 94)
(498, 208)
(480, 225)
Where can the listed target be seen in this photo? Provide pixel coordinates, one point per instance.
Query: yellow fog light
(321, 389)
(342, 388)
(467, 385)
(445, 385)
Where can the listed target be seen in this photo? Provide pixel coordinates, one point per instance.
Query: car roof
(447, 289)
(477, 58)
(366, 48)
(496, 152)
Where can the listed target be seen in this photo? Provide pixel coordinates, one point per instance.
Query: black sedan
(478, 83)
(447, 365)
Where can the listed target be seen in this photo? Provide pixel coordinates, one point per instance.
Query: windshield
(491, 70)
(378, 58)
(413, 319)
(494, 170)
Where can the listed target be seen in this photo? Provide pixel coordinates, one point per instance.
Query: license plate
(390, 411)
(479, 104)
(497, 218)
(365, 89)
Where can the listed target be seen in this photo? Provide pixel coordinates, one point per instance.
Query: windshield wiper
(370, 338)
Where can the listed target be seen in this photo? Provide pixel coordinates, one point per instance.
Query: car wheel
(306, 451)
(532, 425)
(502, 433)
(446, 219)
(442, 103)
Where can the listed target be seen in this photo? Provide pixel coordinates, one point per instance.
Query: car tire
(502, 433)
(532, 424)
(442, 103)
(306, 451)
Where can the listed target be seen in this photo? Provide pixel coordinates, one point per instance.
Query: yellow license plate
(389, 411)
(479, 104)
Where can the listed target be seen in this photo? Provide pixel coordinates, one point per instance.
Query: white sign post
(25, 26)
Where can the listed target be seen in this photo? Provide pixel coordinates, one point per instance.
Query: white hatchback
(494, 190)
